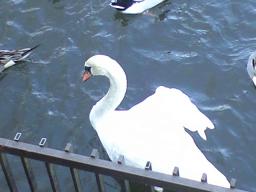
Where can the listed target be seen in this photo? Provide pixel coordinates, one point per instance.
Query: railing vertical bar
(100, 182)
(26, 167)
(52, 176)
(74, 172)
(125, 183)
(29, 173)
(8, 173)
(148, 167)
(126, 186)
(76, 180)
(99, 177)
(50, 171)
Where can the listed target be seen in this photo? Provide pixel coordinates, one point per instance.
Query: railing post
(148, 167)
(176, 171)
(8, 173)
(26, 167)
(125, 183)
(29, 173)
(50, 171)
(204, 178)
(74, 172)
(99, 178)
(232, 183)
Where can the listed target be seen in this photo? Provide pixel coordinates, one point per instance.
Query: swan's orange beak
(86, 75)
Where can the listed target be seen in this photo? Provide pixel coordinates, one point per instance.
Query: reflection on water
(199, 47)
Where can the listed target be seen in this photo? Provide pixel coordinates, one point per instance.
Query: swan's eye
(87, 68)
(253, 63)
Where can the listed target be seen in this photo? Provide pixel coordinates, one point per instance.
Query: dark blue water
(200, 47)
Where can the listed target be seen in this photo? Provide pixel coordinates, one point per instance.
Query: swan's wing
(185, 111)
(174, 107)
(164, 148)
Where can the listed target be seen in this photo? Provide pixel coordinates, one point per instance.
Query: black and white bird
(9, 58)
(134, 6)
(251, 67)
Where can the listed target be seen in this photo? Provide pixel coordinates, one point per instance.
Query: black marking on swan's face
(87, 73)
(86, 68)
(253, 63)
(121, 4)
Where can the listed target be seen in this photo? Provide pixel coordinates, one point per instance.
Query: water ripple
(164, 56)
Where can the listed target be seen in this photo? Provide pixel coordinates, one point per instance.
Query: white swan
(134, 6)
(251, 67)
(152, 130)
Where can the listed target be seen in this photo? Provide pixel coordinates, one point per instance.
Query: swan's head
(251, 67)
(97, 65)
(106, 66)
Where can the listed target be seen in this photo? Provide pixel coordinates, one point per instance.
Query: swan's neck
(107, 105)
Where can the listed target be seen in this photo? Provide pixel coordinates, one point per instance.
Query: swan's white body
(134, 6)
(251, 67)
(152, 130)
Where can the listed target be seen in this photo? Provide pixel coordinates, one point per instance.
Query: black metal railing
(101, 168)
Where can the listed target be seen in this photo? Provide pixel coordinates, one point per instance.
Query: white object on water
(251, 67)
(134, 6)
(152, 130)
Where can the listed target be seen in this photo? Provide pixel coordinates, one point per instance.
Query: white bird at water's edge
(251, 67)
(134, 6)
(152, 130)
(9, 58)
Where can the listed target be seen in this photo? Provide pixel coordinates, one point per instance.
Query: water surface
(200, 47)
